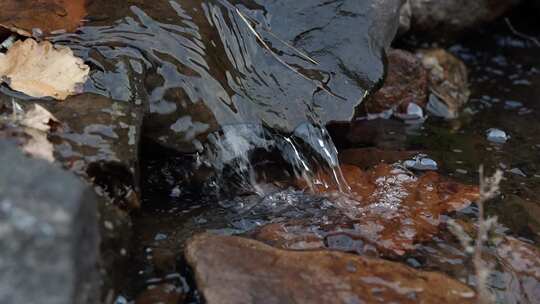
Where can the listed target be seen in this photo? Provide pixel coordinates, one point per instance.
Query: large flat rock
(206, 63)
(48, 233)
(241, 271)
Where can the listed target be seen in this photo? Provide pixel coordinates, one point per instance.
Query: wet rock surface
(206, 64)
(444, 17)
(48, 233)
(30, 17)
(448, 82)
(93, 136)
(237, 270)
(97, 139)
(391, 209)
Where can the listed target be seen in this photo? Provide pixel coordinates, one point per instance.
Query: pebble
(497, 136)
(160, 237)
(421, 163)
(517, 171)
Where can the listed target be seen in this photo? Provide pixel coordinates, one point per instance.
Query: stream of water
(236, 115)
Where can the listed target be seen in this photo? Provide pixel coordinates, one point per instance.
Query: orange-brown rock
(241, 271)
(392, 209)
(23, 16)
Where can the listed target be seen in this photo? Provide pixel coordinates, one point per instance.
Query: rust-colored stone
(393, 209)
(22, 16)
(240, 271)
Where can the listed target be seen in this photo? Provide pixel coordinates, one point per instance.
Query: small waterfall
(306, 151)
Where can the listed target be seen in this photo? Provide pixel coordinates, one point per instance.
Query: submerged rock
(391, 209)
(215, 63)
(48, 233)
(238, 270)
(441, 18)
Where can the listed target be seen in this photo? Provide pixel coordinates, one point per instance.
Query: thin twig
(521, 35)
(267, 47)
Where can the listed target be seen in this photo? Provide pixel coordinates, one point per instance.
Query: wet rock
(48, 233)
(441, 18)
(95, 137)
(392, 209)
(203, 71)
(448, 82)
(422, 163)
(27, 17)
(406, 82)
(237, 270)
(497, 136)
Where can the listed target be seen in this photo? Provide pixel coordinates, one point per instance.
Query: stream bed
(505, 90)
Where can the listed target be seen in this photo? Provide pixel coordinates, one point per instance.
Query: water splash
(307, 151)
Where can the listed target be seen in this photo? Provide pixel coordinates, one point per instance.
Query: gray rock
(421, 162)
(497, 136)
(444, 17)
(48, 233)
(97, 138)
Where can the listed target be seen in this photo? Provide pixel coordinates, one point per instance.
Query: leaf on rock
(391, 209)
(23, 16)
(239, 270)
(41, 69)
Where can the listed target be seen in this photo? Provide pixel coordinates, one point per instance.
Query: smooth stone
(48, 233)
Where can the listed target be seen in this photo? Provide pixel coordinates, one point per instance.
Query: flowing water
(236, 115)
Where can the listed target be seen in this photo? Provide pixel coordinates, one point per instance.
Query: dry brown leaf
(23, 16)
(41, 69)
(392, 209)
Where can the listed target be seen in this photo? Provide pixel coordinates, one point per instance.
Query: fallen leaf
(392, 209)
(239, 270)
(23, 16)
(41, 69)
